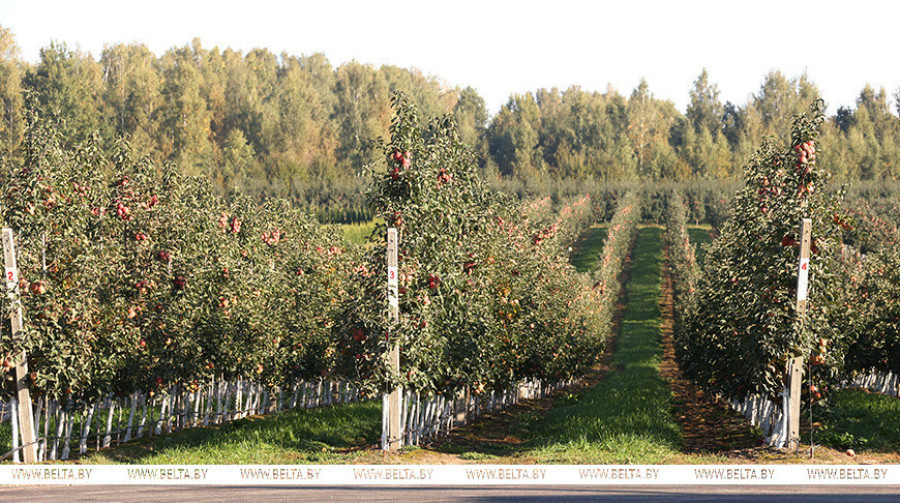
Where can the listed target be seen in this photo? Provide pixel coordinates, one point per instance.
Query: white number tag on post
(12, 278)
(803, 279)
(393, 283)
(392, 276)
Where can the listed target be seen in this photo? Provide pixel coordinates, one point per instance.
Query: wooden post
(794, 371)
(391, 421)
(26, 420)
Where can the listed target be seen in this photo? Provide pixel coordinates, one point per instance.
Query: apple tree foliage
(743, 326)
(134, 277)
(487, 296)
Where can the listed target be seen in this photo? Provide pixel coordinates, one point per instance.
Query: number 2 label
(12, 278)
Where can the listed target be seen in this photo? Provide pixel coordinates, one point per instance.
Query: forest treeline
(301, 128)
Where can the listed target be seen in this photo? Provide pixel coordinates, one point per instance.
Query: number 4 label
(803, 279)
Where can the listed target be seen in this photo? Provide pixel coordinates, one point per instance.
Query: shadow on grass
(586, 254)
(699, 236)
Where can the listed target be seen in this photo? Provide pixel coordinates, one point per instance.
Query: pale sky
(505, 47)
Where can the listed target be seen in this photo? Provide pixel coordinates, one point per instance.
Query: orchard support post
(25, 413)
(391, 439)
(794, 374)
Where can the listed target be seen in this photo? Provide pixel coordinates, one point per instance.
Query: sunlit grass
(334, 434)
(862, 421)
(358, 233)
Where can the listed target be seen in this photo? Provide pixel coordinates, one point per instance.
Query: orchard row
(134, 277)
(736, 320)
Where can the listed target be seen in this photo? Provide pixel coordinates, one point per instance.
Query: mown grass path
(586, 254)
(626, 417)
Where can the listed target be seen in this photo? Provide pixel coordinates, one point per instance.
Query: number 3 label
(392, 275)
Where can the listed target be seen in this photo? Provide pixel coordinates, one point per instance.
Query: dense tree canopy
(298, 127)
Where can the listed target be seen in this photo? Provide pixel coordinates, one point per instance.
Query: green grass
(626, 417)
(586, 256)
(357, 233)
(324, 435)
(862, 421)
(698, 236)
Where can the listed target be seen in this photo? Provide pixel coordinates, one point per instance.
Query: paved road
(155, 494)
